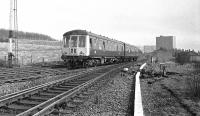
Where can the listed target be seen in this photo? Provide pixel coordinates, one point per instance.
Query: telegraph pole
(13, 28)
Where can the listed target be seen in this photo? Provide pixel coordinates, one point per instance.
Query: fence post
(59, 58)
(43, 60)
(5, 60)
(31, 59)
(22, 60)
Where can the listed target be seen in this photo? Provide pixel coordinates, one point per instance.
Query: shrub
(193, 87)
(2, 63)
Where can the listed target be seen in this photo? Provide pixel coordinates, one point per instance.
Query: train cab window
(66, 41)
(74, 41)
(82, 41)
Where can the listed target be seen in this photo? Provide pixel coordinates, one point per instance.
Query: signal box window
(82, 41)
(74, 41)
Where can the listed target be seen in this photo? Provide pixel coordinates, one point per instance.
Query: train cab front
(74, 47)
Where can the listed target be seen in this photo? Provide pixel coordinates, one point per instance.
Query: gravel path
(111, 100)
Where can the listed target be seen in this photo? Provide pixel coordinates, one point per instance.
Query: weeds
(193, 87)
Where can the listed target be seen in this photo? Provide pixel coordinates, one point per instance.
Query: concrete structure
(166, 42)
(149, 48)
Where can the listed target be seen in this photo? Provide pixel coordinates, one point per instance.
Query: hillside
(24, 35)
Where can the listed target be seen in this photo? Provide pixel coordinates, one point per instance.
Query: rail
(9, 99)
(17, 95)
(62, 97)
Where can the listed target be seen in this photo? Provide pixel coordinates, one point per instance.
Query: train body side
(104, 47)
(95, 47)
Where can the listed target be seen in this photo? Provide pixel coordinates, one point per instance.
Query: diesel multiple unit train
(83, 48)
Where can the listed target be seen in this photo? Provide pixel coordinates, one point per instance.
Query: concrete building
(149, 48)
(166, 42)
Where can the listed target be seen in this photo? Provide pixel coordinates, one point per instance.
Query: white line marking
(138, 109)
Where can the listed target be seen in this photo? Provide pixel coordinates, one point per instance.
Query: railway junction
(60, 94)
(95, 76)
(135, 88)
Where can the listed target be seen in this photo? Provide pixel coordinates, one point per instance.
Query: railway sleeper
(39, 98)
(20, 108)
(65, 87)
(21, 103)
(72, 84)
(76, 83)
(56, 91)
(60, 89)
(31, 102)
(35, 100)
(52, 91)
(48, 94)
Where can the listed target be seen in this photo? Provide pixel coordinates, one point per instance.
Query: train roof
(84, 32)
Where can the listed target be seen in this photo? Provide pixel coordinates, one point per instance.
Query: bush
(4, 40)
(193, 87)
(2, 63)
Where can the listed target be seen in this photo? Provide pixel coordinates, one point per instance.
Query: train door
(82, 48)
(73, 45)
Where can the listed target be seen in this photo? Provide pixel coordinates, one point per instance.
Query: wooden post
(5, 60)
(31, 59)
(22, 60)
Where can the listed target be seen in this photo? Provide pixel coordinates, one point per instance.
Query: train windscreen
(74, 41)
(82, 41)
(66, 41)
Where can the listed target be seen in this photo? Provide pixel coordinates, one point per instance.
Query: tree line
(24, 35)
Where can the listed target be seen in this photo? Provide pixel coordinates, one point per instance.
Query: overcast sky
(137, 22)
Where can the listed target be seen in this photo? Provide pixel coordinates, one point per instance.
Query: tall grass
(193, 87)
(2, 63)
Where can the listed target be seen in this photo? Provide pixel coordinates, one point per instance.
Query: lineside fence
(28, 58)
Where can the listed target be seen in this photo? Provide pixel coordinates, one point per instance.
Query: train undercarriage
(86, 61)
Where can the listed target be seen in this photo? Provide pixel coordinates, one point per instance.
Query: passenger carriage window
(95, 43)
(104, 45)
(90, 42)
(74, 41)
(81, 41)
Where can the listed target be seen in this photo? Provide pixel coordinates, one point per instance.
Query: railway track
(30, 73)
(41, 99)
